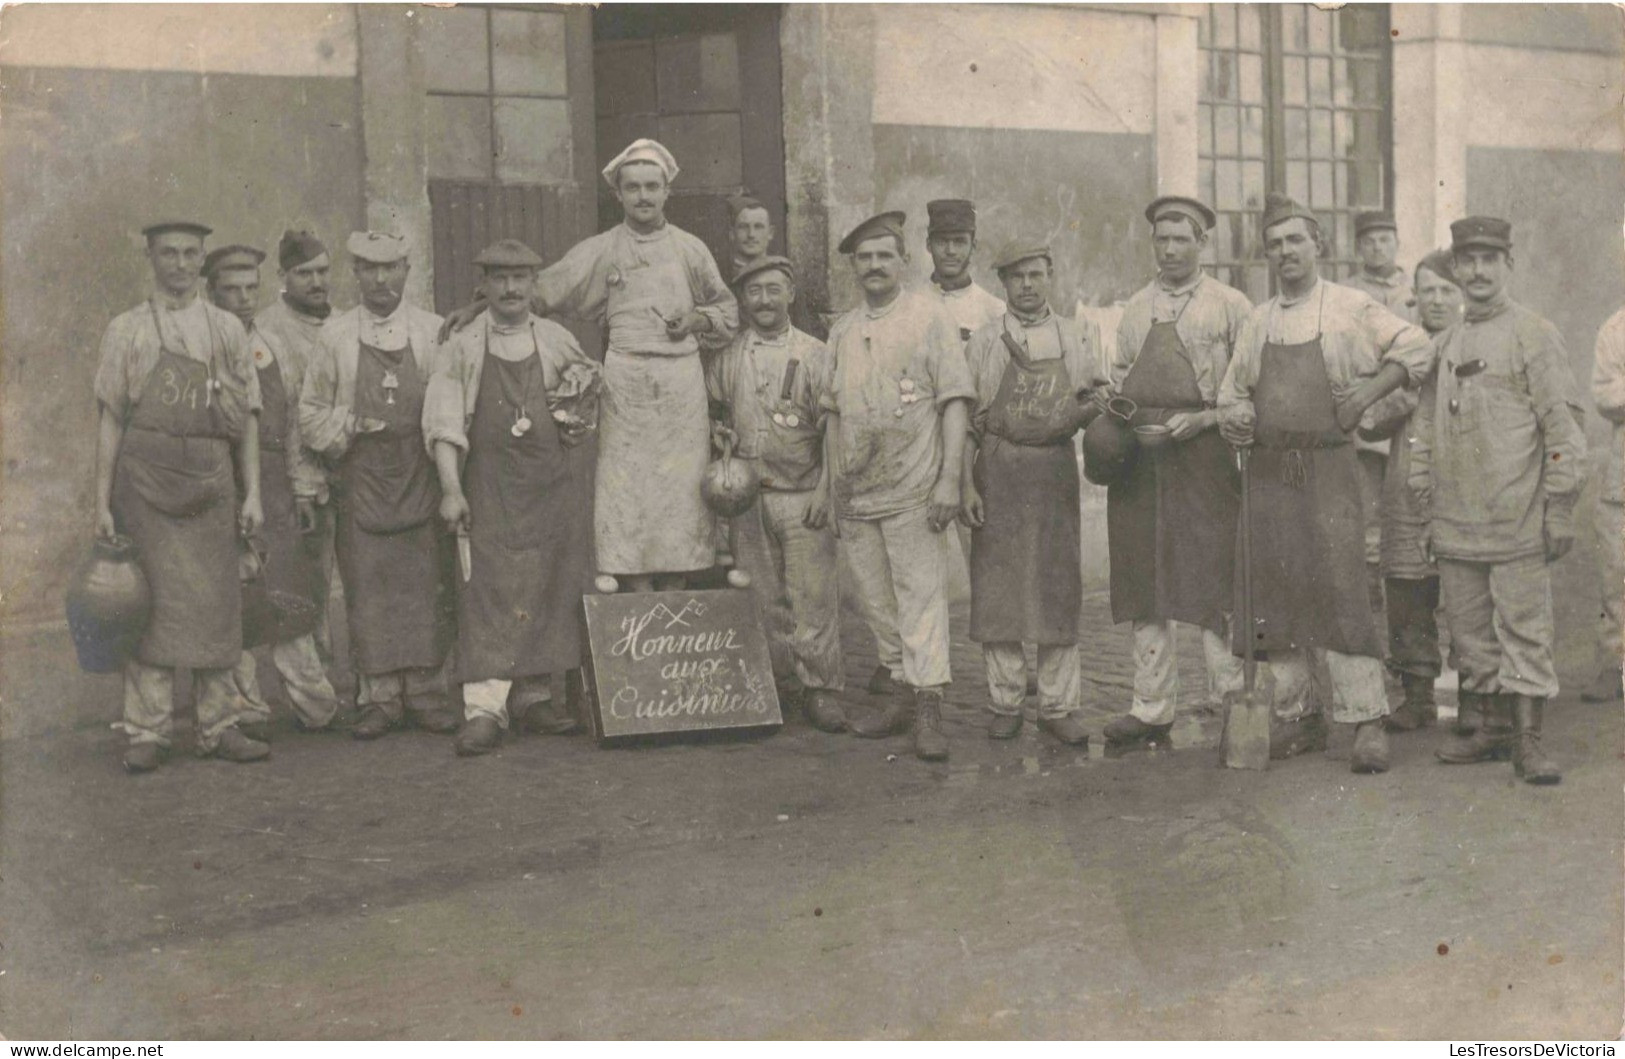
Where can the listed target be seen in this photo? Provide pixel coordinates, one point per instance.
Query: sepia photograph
(812, 521)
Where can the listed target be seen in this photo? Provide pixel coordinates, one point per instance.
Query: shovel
(1246, 720)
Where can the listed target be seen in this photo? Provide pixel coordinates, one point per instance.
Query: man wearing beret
(291, 325)
(950, 239)
(361, 413)
(1021, 496)
(1499, 465)
(1171, 521)
(1410, 578)
(769, 387)
(178, 398)
(1608, 391)
(1308, 363)
(1376, 240)
(897, 417)
(503, 419)
(289, 561)
(657, 290)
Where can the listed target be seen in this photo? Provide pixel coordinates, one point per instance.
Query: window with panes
(1295, 98)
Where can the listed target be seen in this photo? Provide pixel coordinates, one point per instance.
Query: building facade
(461, 125)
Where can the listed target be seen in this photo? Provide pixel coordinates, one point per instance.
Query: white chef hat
(642, 151)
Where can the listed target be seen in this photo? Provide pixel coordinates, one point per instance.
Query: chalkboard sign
(679, 662)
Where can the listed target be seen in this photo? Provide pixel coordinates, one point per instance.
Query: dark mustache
(875, 274)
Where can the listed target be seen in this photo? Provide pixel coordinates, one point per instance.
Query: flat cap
(508, 253)
(1181, 206)
(950, 215)
(738, 204)
(234, 256)
(380, 248)
(764, 264)
(1441, 263)
(642, 151)
(889, 223)
(1014, 253)
(1279, 208)
(1373, 220)
(1481, 231)
(196, 228)
(296, 248)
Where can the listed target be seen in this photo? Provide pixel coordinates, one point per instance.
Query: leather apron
(1171, 520)
(1026, 560)
(1308, 522)
(654, 438)
(172, 494)
(394, 555)
(530, 512)
(291, 562)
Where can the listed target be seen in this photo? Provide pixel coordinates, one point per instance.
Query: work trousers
(901, 568)
(1501, 628)
(1058, 678)
(1611, 548)
(149, 704)
(1156, 673)
(419, 690)
(490, 698)
(793, 572)
(327, 578)
(300, 667)
(1373, 466)
(1413, 625)
(1358, 693)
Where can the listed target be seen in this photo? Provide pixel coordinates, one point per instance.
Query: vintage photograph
(812, 521)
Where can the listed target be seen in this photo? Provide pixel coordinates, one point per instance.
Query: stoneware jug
(109, 602)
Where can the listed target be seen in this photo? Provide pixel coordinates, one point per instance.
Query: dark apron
(1026, 560)
(530, 508)
(1308, 523)
(1171, 521)
(291, 561)
(395, 557)
(172, 494)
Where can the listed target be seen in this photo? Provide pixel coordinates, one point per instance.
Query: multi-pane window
(497, 107)
(1292, 97)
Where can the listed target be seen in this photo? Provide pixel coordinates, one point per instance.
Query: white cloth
(1058, 678)
(1156, 672)
(970, 307)
(901, 569)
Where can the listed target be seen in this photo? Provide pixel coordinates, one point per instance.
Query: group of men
(471, 475)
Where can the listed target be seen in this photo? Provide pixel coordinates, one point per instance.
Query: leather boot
(1417, 710)
(1469, 712)
(894, 718)
(1529, 761)
(929, 742)
(823, 711)
(1491, 741)
(1370, 753)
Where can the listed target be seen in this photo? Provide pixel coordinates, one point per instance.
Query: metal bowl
(1152, 436)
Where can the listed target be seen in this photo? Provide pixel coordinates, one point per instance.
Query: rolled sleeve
(112, 385)
(1399, 342)
(324, 422)
(445, 399)
(950, 372)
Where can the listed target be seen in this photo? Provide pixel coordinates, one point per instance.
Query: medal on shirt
(392, 382)
(262, 357)
(521, 426)
(907, 394)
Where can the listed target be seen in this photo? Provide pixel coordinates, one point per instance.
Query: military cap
(1014, 253)
(641, 151)
(196, 228)
(1372, 221)
(740, 203)
(508, 253)
(888, 223)
(763, 264)
(1279, 207)
(1492, 232)
(950, 215)
(296, 248)
(234, 256)
(1441, 263)
(380, 248)
(1181, 206)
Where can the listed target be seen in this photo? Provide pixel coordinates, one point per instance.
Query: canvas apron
(394, 556)
(291, 562)
(1026, 560)
(1308, 522)
(529, 499)
(654, 441)
(172, 494)
(1171, 521)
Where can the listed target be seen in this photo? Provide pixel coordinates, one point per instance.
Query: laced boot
(1529, 761)
(930, 744)
(1491, 740)
(894, 718)
(1417, 709)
